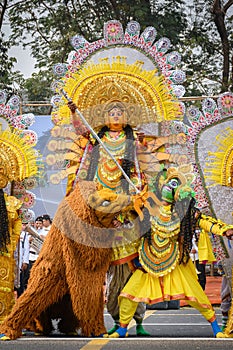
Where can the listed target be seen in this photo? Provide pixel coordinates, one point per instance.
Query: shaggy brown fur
(73, 261)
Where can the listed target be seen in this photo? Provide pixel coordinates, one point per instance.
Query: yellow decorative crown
(145, 93)
(17, 159)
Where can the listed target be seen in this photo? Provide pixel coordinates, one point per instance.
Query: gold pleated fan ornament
(219, 166)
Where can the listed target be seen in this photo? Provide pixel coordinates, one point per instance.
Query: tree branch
(219, 20)
(227, 5)
(4, 8)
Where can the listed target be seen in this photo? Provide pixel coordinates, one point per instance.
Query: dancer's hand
(72, 106)
(229, 234)
(140, 136)
(24, 266)
(116, 223)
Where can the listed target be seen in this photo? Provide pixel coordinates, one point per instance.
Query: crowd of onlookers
(31, 239)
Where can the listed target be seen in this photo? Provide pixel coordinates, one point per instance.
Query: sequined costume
(162, 276)
(163, 270)
(19, 164)
(7, 261)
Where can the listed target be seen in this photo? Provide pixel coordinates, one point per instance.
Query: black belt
(32, 252)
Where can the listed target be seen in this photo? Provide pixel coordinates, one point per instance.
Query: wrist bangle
(211, 227)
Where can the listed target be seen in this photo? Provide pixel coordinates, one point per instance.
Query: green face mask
(169, 190)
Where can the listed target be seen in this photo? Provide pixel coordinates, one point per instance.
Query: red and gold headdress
(127, 66)
(134, 69)
(20, 162)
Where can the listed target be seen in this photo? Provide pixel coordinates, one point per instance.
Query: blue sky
(47, 197)
(42, 124)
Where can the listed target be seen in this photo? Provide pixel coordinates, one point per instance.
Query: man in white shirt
(33, 252)
(200, 268)
(22, 254)
(47, 222)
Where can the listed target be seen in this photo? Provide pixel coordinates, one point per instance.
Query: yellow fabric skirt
(205, 250)
(180, 283)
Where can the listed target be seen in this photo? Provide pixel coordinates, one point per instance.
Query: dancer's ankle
(113, 329)
(124, 325)
(215, 327)
(140, 331)
(122, 331)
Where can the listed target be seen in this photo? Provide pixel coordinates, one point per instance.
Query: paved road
(178, 329)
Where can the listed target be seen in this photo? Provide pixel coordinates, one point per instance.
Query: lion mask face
(108, 204)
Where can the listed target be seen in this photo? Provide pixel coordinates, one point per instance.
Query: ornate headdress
(130, 67)
(184, 173)
(133, 68)
(20, 162)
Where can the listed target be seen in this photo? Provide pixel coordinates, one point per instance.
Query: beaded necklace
(108, 174)
(161, 256)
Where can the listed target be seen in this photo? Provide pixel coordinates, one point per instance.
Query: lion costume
(71, 262)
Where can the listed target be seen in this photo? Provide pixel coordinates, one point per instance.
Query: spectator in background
(200, 268)
(47, 222)
(33, 252)
(225, 270)
(22, 260)
(39, 224)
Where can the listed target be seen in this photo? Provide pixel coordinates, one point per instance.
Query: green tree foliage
(203, 50)
(199, 49)
(6, 64)
(10, 81)
(37, 88)
(51, 23)
(46, 26)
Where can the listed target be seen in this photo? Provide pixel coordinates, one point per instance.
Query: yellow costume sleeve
(212, 225)
(70, 181)
(7, 261)
(205, 250)
(75, 157)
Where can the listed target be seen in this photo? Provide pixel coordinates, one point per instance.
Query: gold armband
(212, 225)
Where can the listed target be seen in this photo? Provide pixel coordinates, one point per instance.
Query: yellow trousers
(128, 308)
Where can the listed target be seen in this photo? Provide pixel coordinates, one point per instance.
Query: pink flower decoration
(28, 199)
